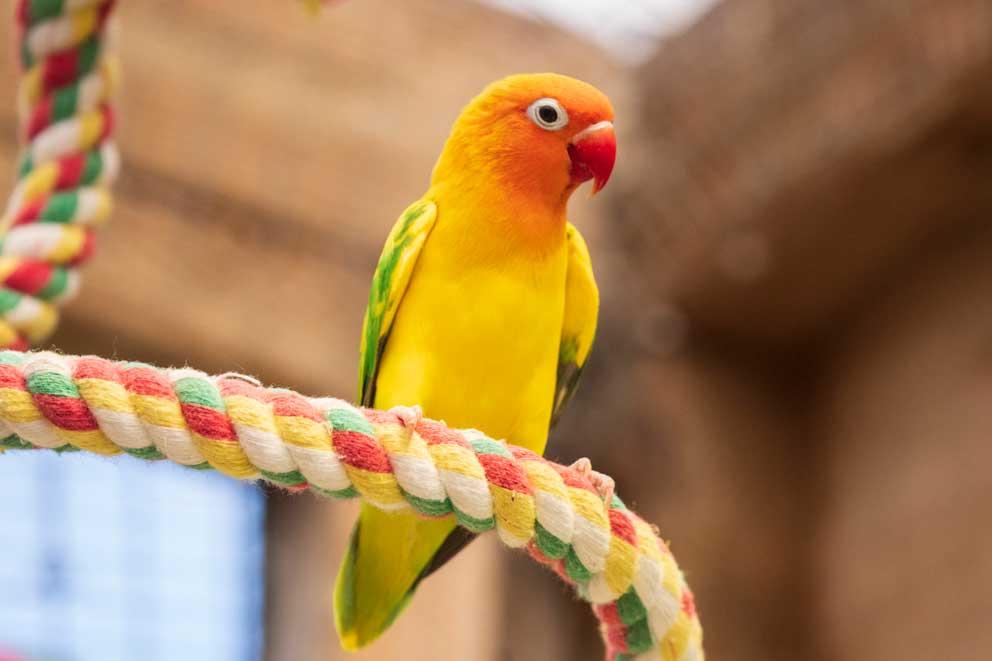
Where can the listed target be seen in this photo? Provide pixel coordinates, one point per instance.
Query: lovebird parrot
(482, 311)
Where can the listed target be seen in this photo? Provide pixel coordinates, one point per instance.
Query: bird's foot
(408, 416)
(603, 483)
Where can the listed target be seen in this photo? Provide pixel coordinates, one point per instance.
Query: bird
(482, 310)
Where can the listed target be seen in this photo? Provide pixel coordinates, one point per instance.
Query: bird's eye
(548, 114)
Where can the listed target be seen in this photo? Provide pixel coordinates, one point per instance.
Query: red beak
(593, 152)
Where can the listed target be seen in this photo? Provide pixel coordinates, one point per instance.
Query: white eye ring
(548, 114)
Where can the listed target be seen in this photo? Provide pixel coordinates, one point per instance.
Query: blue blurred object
(118, 560)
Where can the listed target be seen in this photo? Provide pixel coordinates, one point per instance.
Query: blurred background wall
(794, 367)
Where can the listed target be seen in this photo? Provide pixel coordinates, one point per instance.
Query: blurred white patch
(630, 29)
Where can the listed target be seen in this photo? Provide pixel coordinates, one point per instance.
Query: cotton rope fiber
(394, 459)
(67, 162)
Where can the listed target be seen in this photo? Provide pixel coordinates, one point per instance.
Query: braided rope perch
(66, 167)
(393, 459)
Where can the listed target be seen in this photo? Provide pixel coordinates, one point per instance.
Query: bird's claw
(603, 483)
(408, 416)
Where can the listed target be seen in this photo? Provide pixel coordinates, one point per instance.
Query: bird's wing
(372, 584)
(392, 275)
(579, 324)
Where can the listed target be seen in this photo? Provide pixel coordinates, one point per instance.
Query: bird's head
(537, 136)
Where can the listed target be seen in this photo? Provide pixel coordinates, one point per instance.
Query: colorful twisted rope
(392, 459)
(67, 165)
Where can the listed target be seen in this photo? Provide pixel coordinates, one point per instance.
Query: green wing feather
(360, 623)
(579, 324)
(392, 275)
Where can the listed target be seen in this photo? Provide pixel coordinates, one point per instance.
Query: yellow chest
(477, 346)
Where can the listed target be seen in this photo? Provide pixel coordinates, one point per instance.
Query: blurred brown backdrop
(794, 370)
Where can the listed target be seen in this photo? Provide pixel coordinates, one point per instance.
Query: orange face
(539, 135)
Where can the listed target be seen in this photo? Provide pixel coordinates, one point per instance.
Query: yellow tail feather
(387, 553)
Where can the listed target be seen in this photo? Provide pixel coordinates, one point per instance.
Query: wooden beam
(794, 151)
